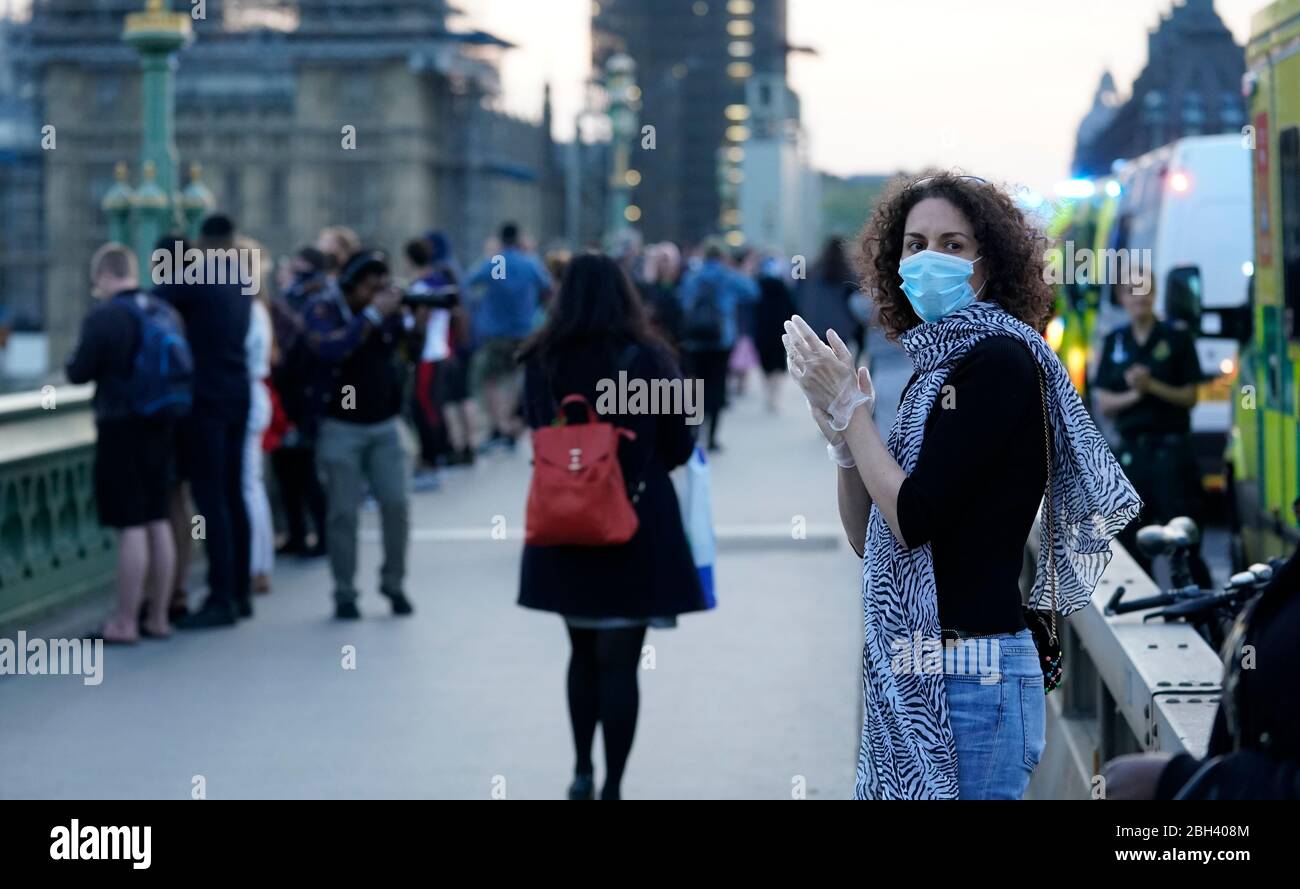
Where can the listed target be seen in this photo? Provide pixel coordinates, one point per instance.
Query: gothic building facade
(267, 95)
(21, 259)
(1190, 86)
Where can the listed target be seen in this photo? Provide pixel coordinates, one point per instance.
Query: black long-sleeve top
(358, 379)
(216, 316)
(105, 356)
(977, 485)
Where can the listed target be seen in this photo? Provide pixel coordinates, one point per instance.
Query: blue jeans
(998, 713)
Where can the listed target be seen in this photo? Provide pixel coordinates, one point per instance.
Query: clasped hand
(1138, 377)
(826, 375)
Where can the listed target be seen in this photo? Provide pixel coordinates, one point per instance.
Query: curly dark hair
(1011, 247)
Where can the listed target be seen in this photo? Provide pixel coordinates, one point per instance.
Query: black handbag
(1043, 624)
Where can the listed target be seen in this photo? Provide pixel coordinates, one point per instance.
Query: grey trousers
(347, 454)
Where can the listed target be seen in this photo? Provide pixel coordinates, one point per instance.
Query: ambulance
(1262, 456)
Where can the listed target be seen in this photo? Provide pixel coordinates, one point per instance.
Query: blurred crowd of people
(302, 391)
(324, 368)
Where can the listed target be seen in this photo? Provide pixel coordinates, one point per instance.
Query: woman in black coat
(609, 595)
(775, 306)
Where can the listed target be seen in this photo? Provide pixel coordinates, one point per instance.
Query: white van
(1189, 203)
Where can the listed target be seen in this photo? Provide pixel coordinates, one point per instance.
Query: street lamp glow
(1055, 333)
(1030, 198)
(633, 178)
(740, 28)
(740, 70)
(1076, 188)
(1113, 189)
(737, 134)
(1248, 269)
(735, 154)
(1179, 182)
(737, 112)
(632, 213)
(1076, 363)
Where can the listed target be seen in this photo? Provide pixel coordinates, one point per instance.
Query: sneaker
(401, 605)
(463, 457)
(178, 607)
(426, 480)
(346, 611)
(583, 787)
(208, 617)
(494, 441)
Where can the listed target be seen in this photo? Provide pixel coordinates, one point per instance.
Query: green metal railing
(53, 550)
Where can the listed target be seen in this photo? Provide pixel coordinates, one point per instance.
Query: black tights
(710, 365)
(603, 688)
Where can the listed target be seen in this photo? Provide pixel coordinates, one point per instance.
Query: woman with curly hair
(940, 509)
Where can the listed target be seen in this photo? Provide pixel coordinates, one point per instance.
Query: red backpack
(577, 496)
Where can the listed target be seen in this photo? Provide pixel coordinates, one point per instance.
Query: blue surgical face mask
(937, 284)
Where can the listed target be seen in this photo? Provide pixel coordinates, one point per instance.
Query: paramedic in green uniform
(1146, 383)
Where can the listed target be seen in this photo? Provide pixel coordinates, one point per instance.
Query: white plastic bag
(697, 519)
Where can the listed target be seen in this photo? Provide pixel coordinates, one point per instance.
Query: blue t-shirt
(732, 289)
(512, 282)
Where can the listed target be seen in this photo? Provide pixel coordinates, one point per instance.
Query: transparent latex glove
(833, 436)
(825, 373)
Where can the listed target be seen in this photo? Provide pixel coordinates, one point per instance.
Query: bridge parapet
(53, 550)
(1130, 686)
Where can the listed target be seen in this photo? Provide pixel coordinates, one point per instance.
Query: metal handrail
(25, 405)
(1130, 686)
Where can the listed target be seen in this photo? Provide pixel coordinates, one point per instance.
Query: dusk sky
(996, 87)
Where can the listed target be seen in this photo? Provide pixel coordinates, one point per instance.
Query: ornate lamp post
(196, 201)
(117, 205)
(152, 215)
(157, 33)
(620, 86)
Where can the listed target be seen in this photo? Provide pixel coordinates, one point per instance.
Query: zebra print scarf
(907, 749)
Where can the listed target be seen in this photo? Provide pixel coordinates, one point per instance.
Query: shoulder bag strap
(1048, 512)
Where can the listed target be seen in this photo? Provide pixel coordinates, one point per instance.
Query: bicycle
(1210, 612)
